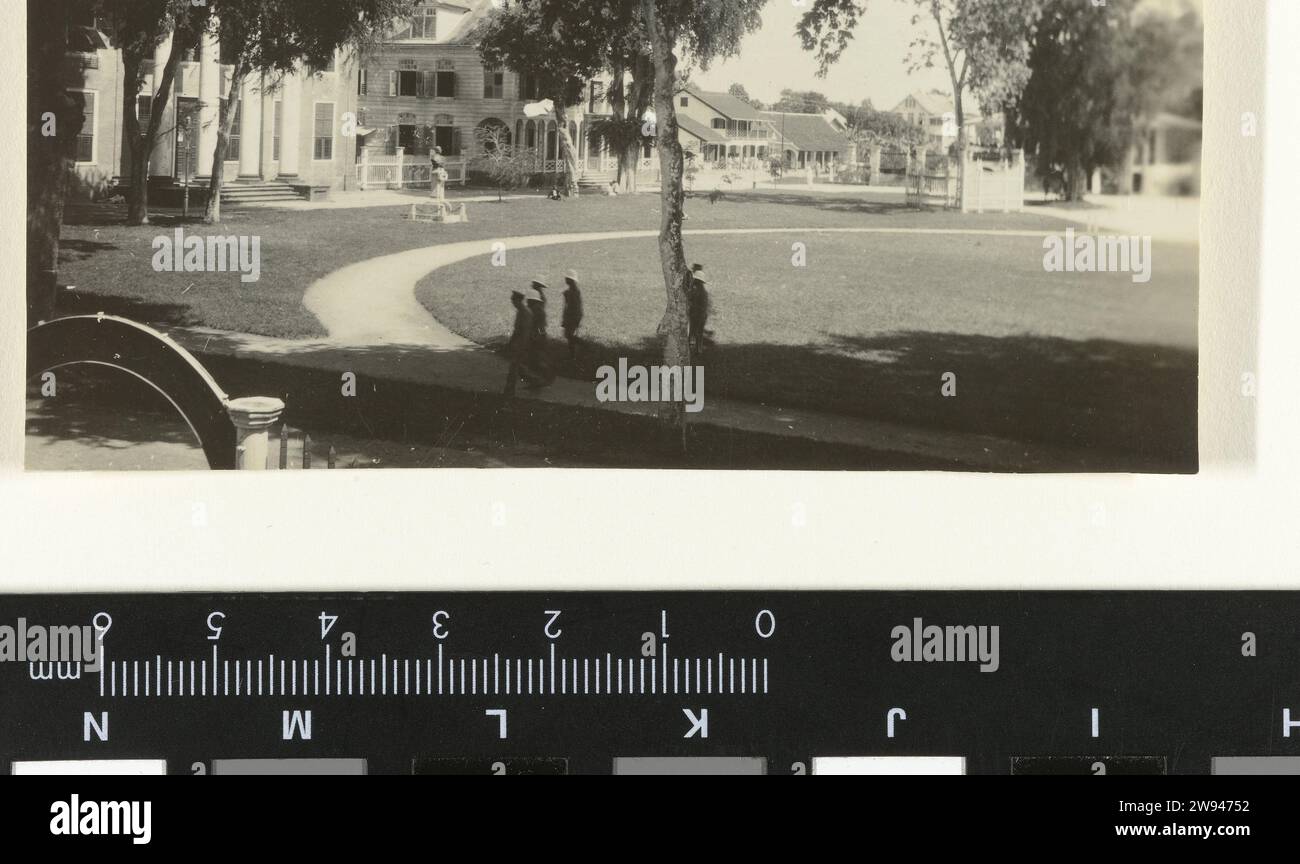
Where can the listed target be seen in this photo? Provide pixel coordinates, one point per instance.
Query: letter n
(101, 727)
(299, 721)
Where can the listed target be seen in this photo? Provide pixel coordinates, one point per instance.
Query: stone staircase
(257, 192)
(595, 181)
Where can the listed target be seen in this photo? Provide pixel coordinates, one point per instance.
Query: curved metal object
(153, 357)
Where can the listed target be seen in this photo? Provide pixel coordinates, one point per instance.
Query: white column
(250, 120)
(291, 113)
(163, 159)
(209, 101)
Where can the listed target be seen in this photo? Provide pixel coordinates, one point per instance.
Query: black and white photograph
(956, 235)
(917, 374)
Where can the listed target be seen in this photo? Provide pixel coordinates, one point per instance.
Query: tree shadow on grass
(75, 302)
(1137, 402)
(79, 249)
(834, 202)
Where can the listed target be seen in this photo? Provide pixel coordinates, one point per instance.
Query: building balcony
(745, 134)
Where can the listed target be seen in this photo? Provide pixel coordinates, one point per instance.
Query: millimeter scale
(755, 682)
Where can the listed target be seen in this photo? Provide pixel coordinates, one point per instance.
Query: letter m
(297, 721)
(65, 643)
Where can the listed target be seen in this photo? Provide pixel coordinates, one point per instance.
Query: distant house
(812, 139)
(720, 127)
(936, 113)
(423, 86)
(1166, 156)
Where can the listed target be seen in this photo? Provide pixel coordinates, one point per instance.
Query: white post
(290, 122)
(253, 417)
(400, 152)
(250, 122)
(365, 167)
(209, 100)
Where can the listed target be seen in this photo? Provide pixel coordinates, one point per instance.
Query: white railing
(401, 171)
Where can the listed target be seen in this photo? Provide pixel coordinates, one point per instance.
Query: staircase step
(258, 192)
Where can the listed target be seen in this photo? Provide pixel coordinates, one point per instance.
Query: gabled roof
(699, 130)
(806, 131)
(932, 103)
(478, 10)
(725, 104)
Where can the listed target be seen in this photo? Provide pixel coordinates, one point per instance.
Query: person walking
(539, 355)
(571, 318)
(521, 340)
(698, 307)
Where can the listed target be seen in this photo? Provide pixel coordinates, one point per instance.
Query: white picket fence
(997, 185)
(401, 171)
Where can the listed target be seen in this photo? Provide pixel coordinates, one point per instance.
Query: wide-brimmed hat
(699, 276)
(540, 283)
(571, 274)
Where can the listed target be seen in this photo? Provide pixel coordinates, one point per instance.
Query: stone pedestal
(253, 417)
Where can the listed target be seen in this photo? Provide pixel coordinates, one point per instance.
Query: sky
(872, 67)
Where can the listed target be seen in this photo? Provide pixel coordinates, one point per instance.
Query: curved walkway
(372, 302)
(378, 329)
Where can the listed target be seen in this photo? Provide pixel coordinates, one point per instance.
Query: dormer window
(423, 24)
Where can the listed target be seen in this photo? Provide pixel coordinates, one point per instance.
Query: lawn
(110, 264)
(872, 322)
(868, 327)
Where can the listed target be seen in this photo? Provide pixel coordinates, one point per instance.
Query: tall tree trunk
(675, 325)
(617, 97)
(639, 96)
(49, 156)
(958, 81)
(568, 154)
(1076, 176)
(225, 123)
(141, 144)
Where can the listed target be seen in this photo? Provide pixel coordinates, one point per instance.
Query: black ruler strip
(775, 682)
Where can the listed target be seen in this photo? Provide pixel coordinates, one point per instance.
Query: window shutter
(429, 81)
(392, 82)
(421, 88)
(454, 84)
(391, 144)
(455, 142)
